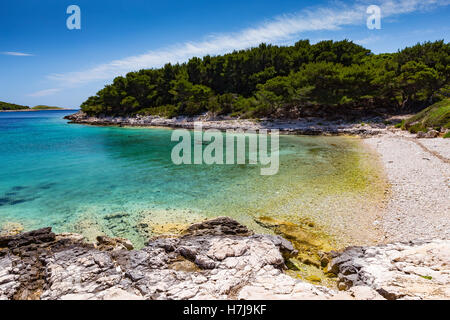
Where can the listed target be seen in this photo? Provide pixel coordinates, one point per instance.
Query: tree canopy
(283, 82)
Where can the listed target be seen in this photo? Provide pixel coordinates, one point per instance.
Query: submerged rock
(11, 229)
(218, 226)
(309, 260)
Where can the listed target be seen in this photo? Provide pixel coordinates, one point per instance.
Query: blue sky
(42, 62)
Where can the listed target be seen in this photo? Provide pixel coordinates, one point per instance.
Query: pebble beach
(418, 172)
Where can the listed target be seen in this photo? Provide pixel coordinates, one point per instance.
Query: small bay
(121, 182)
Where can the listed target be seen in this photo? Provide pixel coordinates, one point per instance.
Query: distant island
(42, 107)
(5, 107)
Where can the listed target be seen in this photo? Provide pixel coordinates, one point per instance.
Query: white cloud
(44, 93)
(368, 40)
(17, 54)
(280, 29)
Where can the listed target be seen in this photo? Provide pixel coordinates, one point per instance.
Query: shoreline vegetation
(329, 80)
(430, 121)
(326, 88)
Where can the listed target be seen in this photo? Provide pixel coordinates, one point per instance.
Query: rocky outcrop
(215, 259)
(218, 226)
(409, 270)
(427, 135)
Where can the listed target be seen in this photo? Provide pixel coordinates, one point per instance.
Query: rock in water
(220, 226)
(106, 243)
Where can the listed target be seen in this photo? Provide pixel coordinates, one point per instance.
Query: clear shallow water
(121, 181)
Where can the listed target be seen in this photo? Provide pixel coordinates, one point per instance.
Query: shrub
(168, 111)
(436, 116)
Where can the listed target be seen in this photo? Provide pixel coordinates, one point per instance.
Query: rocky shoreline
(214, 259)
(307, 126)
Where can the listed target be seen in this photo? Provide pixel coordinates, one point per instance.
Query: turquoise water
(121, 181)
